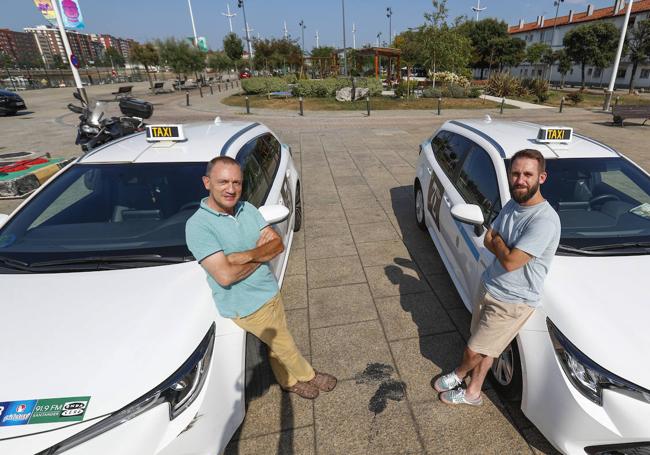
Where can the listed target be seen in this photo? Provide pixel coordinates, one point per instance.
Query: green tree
(147, 55)
(438, 17)
(175, 54)
(5, 60)
(591, 44)
(445, 49)
(233, 47)
(507, 51)
(219, 61)
(564, 64)
(112, 57)
(484, 36)
(57, 61)
(638, 46)
(538, 53)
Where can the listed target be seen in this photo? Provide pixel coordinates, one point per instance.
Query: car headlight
(179, 390)
(89, 129)
(3, 99)
(586, 375)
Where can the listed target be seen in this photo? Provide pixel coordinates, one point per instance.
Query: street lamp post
(556, 3)
(302, 31)
(619, 51)
(196, 41)
(240, 4)
(229, 15)
(345, 52)
(389, 15)
(379, 39)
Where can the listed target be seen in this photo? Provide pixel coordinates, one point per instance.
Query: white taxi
(579, 363)
(113, 344)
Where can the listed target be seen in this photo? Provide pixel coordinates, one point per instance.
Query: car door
(448, 152)
(477, 184)
(264, 183)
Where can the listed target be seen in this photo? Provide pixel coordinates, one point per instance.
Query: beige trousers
(269, 324)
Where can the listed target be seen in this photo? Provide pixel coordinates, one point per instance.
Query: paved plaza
(367, 297)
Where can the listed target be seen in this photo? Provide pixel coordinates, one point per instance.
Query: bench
(621, 113)
(123, 91)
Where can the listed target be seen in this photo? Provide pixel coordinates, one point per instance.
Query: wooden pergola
(378, 52)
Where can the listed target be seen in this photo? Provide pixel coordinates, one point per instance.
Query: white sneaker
(446, 382)
(457, 396)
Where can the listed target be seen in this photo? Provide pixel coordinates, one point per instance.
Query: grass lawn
(591, 100)
(376, 103)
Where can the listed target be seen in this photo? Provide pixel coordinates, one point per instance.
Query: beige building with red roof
(552, 32)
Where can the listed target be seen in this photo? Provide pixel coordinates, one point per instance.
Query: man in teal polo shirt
(233, 243)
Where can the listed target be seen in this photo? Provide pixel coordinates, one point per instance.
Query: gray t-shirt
(535, 230)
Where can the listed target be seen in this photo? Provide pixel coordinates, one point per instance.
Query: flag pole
(68, 51)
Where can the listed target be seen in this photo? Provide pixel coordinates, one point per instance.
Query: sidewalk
(519, 104)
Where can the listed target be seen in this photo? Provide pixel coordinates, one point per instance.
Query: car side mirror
(468, 214)
(3, 218)
(274, 214)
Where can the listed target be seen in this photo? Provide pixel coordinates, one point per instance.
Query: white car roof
(204, 141)
(509, 137)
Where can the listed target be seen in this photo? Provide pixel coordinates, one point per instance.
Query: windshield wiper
(571, 249)
(14, 263)
(135, 258)
(617, 246)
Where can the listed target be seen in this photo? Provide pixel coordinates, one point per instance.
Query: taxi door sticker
(434, 198)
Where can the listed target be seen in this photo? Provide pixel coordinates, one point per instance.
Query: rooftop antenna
(229, 15)
(354, 36)
(477, 9)
(286, 32)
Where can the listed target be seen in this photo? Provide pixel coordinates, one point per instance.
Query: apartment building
(552, 31)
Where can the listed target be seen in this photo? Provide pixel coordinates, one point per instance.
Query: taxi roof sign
(158, 133)
(554, 134)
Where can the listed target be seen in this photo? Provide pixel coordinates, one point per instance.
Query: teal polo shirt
(207, 232)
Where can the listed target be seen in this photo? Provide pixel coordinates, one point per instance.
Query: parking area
(367, 297)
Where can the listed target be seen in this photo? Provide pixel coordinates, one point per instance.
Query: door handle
(288, 173)
(429, 170)
(446, 199)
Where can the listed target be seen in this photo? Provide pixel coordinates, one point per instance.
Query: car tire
(297, 224)
(506, 373)
(258, 374)
(419, 207)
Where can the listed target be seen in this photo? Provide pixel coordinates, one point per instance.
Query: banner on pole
(47, 10)
(71, 14)
(203, 44)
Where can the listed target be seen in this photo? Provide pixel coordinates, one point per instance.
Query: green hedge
(263, 85)
(322, 88)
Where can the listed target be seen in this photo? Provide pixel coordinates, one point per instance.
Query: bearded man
(523, 238)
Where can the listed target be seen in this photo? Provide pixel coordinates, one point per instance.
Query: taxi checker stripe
(236, 136)
(483, 135)
(469, 242)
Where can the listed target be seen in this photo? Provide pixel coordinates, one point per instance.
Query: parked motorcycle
(96, 128)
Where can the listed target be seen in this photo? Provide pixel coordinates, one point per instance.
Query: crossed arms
(227, 270)
(510, 258)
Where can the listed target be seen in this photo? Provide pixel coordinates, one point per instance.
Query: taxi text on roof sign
(156, 133)
(554, 134)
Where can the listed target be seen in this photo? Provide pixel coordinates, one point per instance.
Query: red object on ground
(22, 165)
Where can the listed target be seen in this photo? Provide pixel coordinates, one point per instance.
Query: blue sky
(150, 19)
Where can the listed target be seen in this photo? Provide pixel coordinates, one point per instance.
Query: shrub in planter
(432, 93)
(454, 91)
(448, 77)
(474, 92)
(504, 84)
(538, 88)
(263, 85)
(403, 88)
(372, 84)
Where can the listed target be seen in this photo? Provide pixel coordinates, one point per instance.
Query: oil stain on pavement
(389, 389)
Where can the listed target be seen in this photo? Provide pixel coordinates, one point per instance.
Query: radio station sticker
(48, 410)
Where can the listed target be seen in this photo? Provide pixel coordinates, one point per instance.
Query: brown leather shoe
(304, 390)
(325, 382)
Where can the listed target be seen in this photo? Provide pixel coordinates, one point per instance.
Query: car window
(477, 183)
(107, 209)
(260, 160)
(267, 152)
(450, 149)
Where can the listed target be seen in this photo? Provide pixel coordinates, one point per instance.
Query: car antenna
(487, 118)
(217, 120)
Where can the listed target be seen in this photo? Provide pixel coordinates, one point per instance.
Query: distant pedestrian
(523, 238)
(233, 243)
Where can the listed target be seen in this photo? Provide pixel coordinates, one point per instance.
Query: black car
(11, 102)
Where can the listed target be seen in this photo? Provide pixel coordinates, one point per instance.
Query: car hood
(109, 335)
(601, 305)
(9, 94)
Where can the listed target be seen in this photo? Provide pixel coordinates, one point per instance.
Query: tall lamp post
(229, 15)
(389, 15)
(196, 40)
(556, 3)
(302, 31)
(240, 4)
(345, 52)
(379, 39)
(619, 51)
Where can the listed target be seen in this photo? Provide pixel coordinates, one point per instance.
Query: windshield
(107, 210)
(600, 201)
